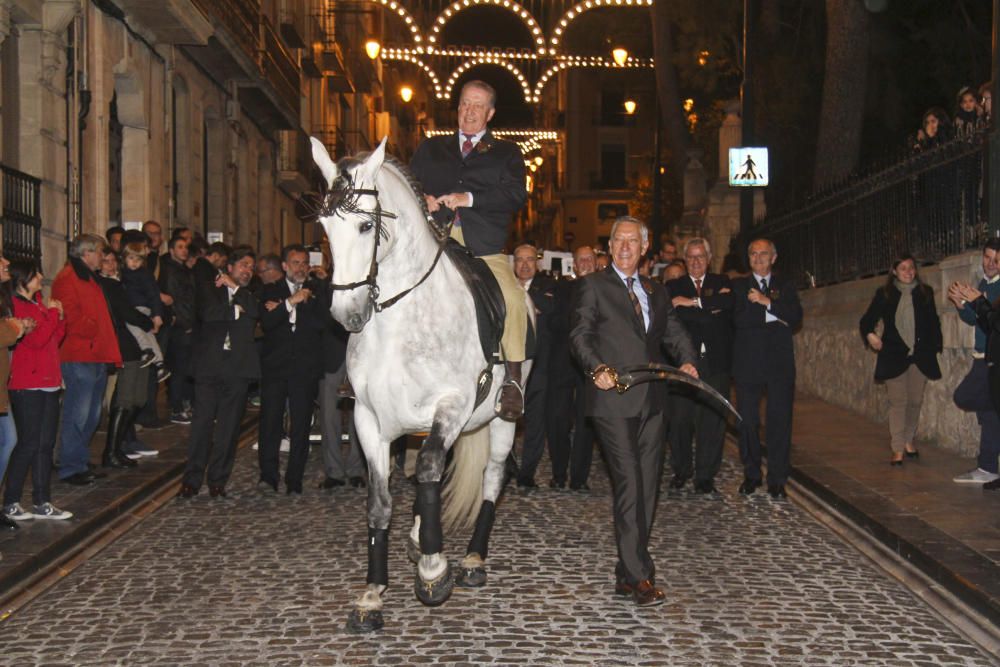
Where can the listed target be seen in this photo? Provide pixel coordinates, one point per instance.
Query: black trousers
(565, 413)
(692, 416)
(36, 414)
(300, 396)
(780, 394)
(534, 426)
(219, 405)
(180, 386)
(633, 450)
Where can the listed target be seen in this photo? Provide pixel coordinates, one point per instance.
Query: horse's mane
(346, 165)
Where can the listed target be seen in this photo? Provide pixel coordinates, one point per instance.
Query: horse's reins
(347, 203)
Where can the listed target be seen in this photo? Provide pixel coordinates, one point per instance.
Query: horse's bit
(346, 201)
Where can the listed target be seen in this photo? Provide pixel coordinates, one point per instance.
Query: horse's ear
(373, 163)
(322, 159)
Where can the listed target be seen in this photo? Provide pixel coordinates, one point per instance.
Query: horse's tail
(463, 492)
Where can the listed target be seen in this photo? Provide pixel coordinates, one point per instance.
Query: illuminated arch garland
(566, 62)
(489, 60)
(406, 55)
(582, 7)
(401, 11)
(521, 12)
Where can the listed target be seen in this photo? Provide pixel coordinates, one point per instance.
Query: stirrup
(497, 403)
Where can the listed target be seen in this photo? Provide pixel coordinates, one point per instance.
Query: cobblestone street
(269, 580)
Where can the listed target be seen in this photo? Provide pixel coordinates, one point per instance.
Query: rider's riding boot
(113, 456)
(511, 405)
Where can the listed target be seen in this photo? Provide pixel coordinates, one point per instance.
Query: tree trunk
(675, 134)
(844, 84)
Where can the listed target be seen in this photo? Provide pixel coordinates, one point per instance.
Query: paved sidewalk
(30, 553)
(949, 531)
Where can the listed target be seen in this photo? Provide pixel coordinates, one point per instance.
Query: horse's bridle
(345, 200)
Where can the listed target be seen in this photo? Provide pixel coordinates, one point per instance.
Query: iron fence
(22, 215)
(928, 204)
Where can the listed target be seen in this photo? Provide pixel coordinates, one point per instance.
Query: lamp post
(406, 94)
(373, 48)
(620, 55)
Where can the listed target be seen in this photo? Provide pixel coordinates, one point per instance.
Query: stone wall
(834, 365)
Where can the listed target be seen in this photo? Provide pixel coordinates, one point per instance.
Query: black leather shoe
(267, 487)
(358, 482)
(217, 492)
(79, 479)
(705, 486)
(678, 482)
(294, 491)
(777, 491)
(7, 523)
(187, 491)
(580, 487)
(749, 486)
(912, 455)
(992, 486)
(331, 482)
(526, 484)
(557, 484)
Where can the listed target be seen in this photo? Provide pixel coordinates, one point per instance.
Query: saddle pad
(490, 307)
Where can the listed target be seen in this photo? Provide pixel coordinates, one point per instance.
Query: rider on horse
(480, 180)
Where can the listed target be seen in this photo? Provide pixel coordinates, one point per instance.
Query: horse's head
(356, 228)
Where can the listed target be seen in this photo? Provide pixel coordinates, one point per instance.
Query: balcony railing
(278, 66)
(240, 17)
(22, 221)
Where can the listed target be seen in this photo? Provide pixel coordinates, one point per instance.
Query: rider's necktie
(636, 306)
(467, 145)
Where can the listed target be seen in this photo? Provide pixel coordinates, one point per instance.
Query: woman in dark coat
(907, 349)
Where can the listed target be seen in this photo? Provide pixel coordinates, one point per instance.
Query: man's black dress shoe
(187, 491)
(678, 482)
(331, 482)
(705, 486)
(294, 491)
(217, 491)
(266, 486)
(557, 484)
(79, 479)
(94, 472)
(358, 482)
(527, 484)
(580, 487)
(912, 455)
(749, 486)
(777, 491)
(7, 523)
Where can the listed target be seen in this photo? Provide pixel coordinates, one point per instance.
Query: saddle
(490, 307)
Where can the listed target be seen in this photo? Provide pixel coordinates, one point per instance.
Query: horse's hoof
(471, 577)
(361, 621)
(412, 551)
(433, 593)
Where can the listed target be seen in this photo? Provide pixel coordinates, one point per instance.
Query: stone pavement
(949, 531)
(268, 579)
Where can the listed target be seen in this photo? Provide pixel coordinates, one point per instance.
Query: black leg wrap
(429, 503)
(480, 542)
(378, 556)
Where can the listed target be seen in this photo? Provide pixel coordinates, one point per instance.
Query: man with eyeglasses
(704, 302)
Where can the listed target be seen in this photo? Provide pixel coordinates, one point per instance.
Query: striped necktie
(636, 306)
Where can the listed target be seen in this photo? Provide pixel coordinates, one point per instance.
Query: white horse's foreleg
(472, 572)
(367, 613)
(434, 582)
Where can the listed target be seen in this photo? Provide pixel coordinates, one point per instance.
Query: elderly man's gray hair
(698, 241)
(86, 242)
(643, 229)
(774, 248)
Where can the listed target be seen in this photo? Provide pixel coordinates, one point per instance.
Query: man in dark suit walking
(621, 320)
(541, 289)
(479, 180)
(704, 302)
(226, 361)
(296, 311)
(766, 312)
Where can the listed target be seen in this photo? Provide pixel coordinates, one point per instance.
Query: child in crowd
(968, 119)
(144, 295)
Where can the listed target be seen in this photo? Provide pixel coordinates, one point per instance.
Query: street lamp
(539, 160)
(406, 93)
(620, 54)
(630, 107)
(373, 48)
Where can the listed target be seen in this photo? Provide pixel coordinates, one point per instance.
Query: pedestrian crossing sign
(748, 167)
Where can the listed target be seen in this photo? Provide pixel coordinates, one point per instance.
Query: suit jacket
(218, 320)
(563, 369)
(288, 354)
(605, 330)
(711, 325)
(542, 293)
(763, 350)
(493, 172)
(894, 357)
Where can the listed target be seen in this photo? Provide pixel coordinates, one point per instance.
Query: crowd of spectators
(973, 115)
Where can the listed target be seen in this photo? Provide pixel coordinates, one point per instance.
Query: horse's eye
(365, 227)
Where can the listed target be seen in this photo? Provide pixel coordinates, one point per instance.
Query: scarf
(905, 322)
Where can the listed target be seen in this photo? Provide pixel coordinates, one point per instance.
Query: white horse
(414, 360)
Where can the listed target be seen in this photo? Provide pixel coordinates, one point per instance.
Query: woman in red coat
(34, 386)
